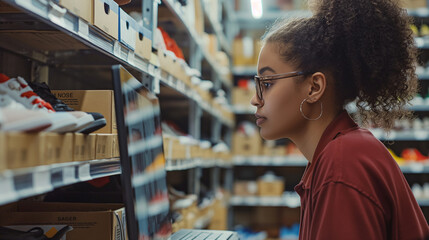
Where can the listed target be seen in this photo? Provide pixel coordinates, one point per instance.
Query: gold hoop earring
(311, 119)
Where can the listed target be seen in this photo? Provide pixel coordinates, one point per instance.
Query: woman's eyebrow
(264, 69)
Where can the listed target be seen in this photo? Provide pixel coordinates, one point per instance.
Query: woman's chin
(269, 135)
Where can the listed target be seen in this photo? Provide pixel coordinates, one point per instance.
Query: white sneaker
(15, 117)
(18, 89)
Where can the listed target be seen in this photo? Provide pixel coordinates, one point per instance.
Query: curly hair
(366, 45)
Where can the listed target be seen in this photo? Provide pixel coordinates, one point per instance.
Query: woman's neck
(307, 141)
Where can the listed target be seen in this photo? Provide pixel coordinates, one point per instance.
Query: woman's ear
(317, 87)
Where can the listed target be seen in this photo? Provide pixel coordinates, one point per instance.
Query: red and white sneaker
(18, 89)
(15, 117)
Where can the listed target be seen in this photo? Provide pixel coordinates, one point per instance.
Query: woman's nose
(255, 101)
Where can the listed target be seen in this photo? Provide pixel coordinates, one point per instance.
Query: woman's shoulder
(356, 157)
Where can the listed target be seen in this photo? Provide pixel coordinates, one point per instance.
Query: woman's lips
(260, 119)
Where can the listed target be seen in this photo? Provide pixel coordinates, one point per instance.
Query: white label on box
(84, 172)
(117, 49)
(42, 181)
(130, 57)
(83, 29)
(151, 69)
(8, 193)
(69, 175)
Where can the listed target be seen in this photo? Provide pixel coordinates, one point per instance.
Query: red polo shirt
(353, 189)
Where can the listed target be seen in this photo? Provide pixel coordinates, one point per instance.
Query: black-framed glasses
(260, 80)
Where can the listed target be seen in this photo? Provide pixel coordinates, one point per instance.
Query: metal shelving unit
(278, 161)
(290, 200)
(174, 6)
(23, 183)
(186, 164)
(404, 135)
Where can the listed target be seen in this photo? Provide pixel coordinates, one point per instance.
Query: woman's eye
(267, 85)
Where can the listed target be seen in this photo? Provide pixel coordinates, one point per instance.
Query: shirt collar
(340, 124)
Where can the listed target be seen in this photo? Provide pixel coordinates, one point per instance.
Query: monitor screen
(142, 159)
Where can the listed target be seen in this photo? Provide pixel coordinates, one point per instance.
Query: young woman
(308, 70)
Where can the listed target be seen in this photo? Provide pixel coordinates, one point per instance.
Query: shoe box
(101, 101)
(81, 8)
(106, 17)
(242, 96)
(84, 147)
(412, 4)
(220, 218)
(3, 148)
(22, 150)
(246, 145)
(89, 220)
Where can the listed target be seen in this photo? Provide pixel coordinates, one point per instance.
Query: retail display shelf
(241, 109)
(186, 164)
(423, 202)
(423, 76)
(415, 167)
(174, 6)
(290, 199)
(404, 135)
(89, 35)
(289, 161)
(416, 107)
(422, 42)
(178, 85)
(244, 70)
(62, 20)
(418, 12)
(217, 28)
(21, 183)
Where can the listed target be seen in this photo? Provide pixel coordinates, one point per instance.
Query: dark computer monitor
(142, 160)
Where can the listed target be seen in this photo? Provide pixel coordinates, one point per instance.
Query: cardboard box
(89, 221)
(412, 4)
(246, 145)
(127, 29)
(243, 53)
(115, 146)
(143, 42)
(220, 217)
(101, 101)
(270, 188)
(81, 8)
(106, 17)
(24, 150)
(166, 61)
(104, 146)
(58, 148)
(3, 164)
(242, 96)
(199, 17)
(245, 188)
(173, 149)
(84, 147)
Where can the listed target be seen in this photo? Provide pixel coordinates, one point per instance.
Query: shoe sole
(97, 124)
(84, 122)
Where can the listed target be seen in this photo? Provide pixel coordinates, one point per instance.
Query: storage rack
(106, 51)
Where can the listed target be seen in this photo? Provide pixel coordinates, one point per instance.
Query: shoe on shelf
(19, 90)
(15, 117)
(412, 154)
(87, 124)
(59, 122)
